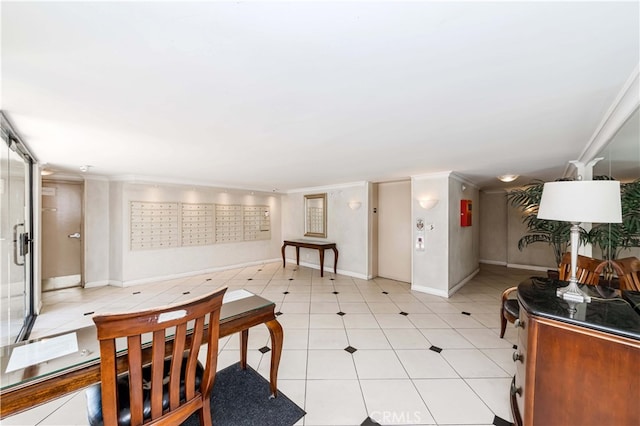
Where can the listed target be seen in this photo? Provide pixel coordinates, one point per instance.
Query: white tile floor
(393, 376)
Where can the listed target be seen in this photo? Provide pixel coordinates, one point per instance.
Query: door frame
(81, 183)
(18, 146)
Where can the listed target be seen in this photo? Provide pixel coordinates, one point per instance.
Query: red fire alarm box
(465, 213)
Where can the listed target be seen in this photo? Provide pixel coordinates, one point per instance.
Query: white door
(394, 230)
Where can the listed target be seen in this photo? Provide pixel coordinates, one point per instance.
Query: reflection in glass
(621, 161)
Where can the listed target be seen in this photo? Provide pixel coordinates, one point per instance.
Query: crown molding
(432, 175)
(464, 180)
(327, 188)
(153, 180)
(622, 108)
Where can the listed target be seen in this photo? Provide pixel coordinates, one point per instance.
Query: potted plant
(552, 232)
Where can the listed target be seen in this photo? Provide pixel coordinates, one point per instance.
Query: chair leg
(205, 413)
(503, 324)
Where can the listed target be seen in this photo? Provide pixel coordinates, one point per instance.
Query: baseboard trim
(93, 284)
(516, 265)
(530, 267)
(493, 262)
(461, 284)
(330, 269)
(132, 283)
(430, 290)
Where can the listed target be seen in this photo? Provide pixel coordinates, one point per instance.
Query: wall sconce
(354, 205)
(428, 203)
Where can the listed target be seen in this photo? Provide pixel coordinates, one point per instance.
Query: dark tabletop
(609, 311)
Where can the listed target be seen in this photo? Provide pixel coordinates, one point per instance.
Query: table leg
(335, 261)
(277, 337)
(284, 262)
(321, 262)
(244, 338)
(297, 255)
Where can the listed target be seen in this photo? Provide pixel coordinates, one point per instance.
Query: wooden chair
(587, 269)
(509, 309)
(170, 384)
(587, 272)
(628, 271)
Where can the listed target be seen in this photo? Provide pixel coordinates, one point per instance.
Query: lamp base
(573, 293)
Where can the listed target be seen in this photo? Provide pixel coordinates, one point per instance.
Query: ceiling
(283, 95)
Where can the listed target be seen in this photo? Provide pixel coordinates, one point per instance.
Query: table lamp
(595, 201)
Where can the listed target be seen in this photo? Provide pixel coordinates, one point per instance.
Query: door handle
(17, 238)
(74, 235)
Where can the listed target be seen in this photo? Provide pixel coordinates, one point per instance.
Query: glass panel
(621, 161)
(14, 178)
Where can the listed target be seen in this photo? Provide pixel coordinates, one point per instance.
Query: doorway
(61, 234)
(16, 236)
(394, 230)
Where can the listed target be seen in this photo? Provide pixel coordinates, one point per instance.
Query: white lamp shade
(595, 201)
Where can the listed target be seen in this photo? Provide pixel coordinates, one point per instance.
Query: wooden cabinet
(571, 374)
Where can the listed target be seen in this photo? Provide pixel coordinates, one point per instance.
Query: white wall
(451, 252)
(149, 265)
(464, 241)
(372, 217)
(501, 228)
(116, 238)
(96, 233)
(446, 263)
(537, 256)
(347, 228)
(430, 268)
(493, 230)
(108, 255)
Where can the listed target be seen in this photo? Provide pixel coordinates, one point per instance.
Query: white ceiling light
(508, 178)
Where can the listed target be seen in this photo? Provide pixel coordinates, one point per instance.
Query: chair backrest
(175, 358)
(586, 269)
(628, 271)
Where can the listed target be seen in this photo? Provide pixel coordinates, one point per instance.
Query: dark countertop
(609, 310)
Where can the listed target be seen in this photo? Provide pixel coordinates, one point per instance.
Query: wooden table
(576, 363)
(32, 386)
(317, 245)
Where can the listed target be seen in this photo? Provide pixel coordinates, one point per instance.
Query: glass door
(16, 307)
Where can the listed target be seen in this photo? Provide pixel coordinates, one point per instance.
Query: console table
(317, 245)
(576, 365)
